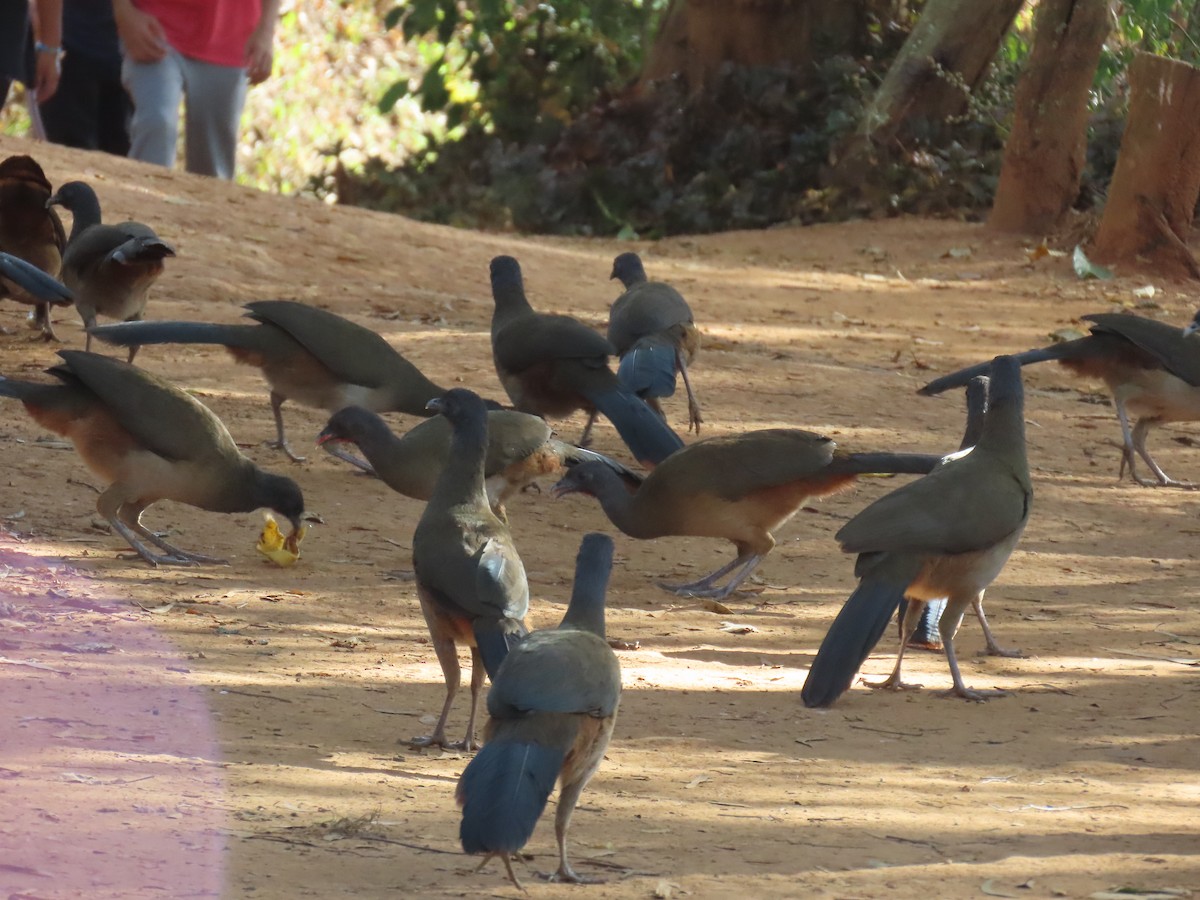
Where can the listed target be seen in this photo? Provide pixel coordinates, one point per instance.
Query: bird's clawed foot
(974, 696)
(439, 740)
(694, 417)
(892, 683)
(697, 589)
(287, 450)
(507, 860)
(1007, 652)
(567, 875)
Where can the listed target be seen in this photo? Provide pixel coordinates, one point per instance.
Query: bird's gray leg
(694, 417)
(585, 439)
(993, 648)
(912, 617)
(1140, 430)
(131, 515)
(704, 586)
(277, 401)
(948, 627)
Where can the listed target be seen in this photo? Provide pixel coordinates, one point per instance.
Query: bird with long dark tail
(738, 487)
(32, 232)
(470, 580)
(948, 534)
(151, 441)
(552, 365)
(552, 709)
(1151, 368)
(521, 448)
(109, 268)
(309, 355)
(655, 335)
(919, 615)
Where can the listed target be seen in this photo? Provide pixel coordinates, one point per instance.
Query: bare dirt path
(234, 731)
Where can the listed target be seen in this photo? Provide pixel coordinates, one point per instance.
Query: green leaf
(392, 19)
(434, 93)
(1085, 268)
(422, 19)
(393, 95)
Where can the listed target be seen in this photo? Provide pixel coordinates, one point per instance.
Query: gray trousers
(214, 95)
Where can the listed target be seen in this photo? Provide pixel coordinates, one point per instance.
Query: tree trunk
(1046, 152)
(1148, 216)
(697, 37)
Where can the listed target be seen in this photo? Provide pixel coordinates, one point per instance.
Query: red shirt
(212, 31)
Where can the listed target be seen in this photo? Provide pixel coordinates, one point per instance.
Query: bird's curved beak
(612, 274)
(435, 404)
(53, 200)
(326, 436)
(562, 487)
(1191, 328)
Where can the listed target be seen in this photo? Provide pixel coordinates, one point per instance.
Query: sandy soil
(234, 731)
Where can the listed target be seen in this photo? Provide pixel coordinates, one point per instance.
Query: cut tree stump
(1148, 216)
(1046, 152)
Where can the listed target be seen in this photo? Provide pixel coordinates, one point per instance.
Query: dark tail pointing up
(648, 437)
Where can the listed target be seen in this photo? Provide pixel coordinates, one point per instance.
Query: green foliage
(521, 71)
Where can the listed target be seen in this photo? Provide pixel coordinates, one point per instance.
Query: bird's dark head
(629, 269)
(505, 272)
(281, 494)
(581, 478)
(459, 405)
(75, 196)
(346, 425)
(1193, 326)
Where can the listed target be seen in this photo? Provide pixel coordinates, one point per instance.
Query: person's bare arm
(47, 29)
(141, 33)
(260, 48)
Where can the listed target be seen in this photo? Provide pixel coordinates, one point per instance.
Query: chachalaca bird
(552, 365)
(918, 616)
(31, 231)
(1152, 370)
(652, 327)
(520, 448)
(470, 580)
(552, 708)
(739, 487)
(150, 441)
(306, 354)
(109, 268)
(945, 535)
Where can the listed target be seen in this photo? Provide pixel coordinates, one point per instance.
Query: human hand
(260, 54)
(141, 33)
(47, 75)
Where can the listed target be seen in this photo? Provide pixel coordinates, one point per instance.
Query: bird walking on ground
(652, 328)
(552, 365)
(109, 268)
(315, 357)
(31, 231)
(948, 534)
(1152, 370)
(151, 441)
(552, 708)
(520, 449)
(738, 487)
(470, 580)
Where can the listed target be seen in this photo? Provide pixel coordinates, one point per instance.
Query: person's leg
(71, 116)
(156, 89)
(113, 111)
(215, 97)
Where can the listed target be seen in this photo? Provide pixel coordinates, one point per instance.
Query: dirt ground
(235, 731)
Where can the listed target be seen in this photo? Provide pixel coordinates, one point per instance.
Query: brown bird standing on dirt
(150, 441)
(470, 580)
(109, 268)
(552, 365)
(1151, 368)
(306, 354)
(738, 487)
(945, 535)
(651, 326)
(553, 705)
(520, 448)
(31, 231)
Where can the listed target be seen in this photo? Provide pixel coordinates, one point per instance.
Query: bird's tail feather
(131, 334)
(850, 639)
(494, 638)
(142, 249)
(504, 789)
(34, 281)
(1066, 350)
(648, 367)
(884, 463)
(648, 437)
